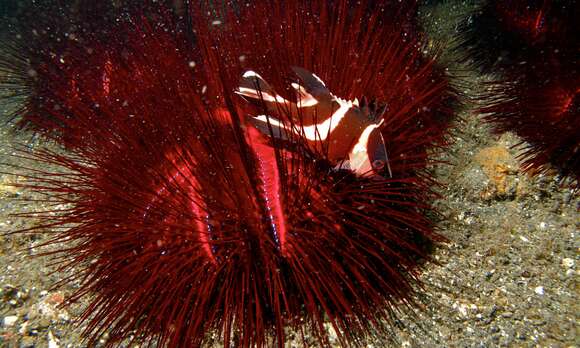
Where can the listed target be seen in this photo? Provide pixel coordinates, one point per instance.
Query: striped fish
(348, 132)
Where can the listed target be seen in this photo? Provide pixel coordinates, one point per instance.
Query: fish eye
(378, 164)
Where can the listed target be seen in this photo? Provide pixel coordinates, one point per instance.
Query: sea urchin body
(189, 219)
(536, 94)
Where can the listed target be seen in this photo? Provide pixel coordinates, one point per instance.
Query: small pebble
(9, 321)
(43, 323)
(568, 262)
(23, 328)
(33, 332)
(567, 198)
(52, 341)
(539, 290)
(27, 342)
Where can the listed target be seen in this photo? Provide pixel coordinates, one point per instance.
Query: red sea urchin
(37, 46)
(537, 94)
(509, 34)
(53, 43)
(545, 112)
(185, 220)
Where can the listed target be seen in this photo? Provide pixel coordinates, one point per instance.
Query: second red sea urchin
(535, 47)
(197, 204)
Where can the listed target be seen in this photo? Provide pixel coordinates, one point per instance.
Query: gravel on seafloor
(508, 277)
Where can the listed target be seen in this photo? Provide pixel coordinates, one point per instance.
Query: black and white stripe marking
(350, 132)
